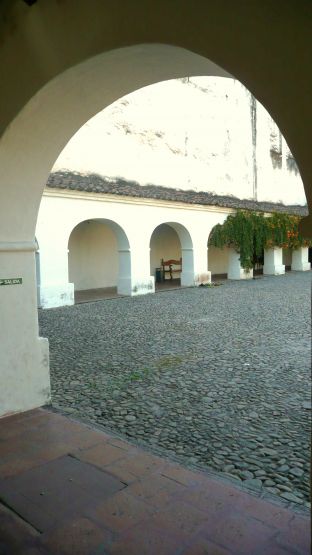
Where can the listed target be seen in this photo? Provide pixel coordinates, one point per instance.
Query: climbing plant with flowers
(250, 233)
(283, 231)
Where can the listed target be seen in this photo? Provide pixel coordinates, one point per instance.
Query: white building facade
(105, 241)
(90, 240)
(208, 145)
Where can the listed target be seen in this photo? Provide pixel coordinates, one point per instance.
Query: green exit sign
(11, 281)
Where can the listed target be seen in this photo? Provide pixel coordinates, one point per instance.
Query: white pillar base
(142, 286)
(32, 387)
(273, 262)
(187, 275)
(300, 260)
(124, 286)
(202, 278)
(235, 271)
(52, 296)
(24, 357)
(187, 279)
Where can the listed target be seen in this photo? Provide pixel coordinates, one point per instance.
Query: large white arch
(34, 138)
(28, 149)
(33, 141)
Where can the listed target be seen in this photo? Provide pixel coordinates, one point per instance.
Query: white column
(300, 260)
(38, 280)
(55, 290)
(124, 272)
(24, 356)
(141, 280)
(201, 274)
(273, 262)
(235, 270)
(187, 274)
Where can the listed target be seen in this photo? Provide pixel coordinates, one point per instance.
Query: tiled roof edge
(94, 183)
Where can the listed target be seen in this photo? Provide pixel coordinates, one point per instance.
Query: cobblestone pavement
(216, 377)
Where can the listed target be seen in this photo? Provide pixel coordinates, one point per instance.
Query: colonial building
(210, 147)
(94, 234)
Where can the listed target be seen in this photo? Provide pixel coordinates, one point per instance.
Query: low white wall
(165, 244)
(92, 256)
(218, 260)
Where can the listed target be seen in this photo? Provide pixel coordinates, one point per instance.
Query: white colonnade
(132, 224)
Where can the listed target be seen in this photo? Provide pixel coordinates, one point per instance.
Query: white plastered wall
(202, 133)
(218, 260)
(92, 256)
(278, 178)
(186, 226)
(165, 244)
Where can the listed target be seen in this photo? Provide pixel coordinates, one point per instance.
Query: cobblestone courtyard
(217, 377)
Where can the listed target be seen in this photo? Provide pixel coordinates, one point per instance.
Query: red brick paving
(186, 521)
(205, 547)
(146, 539)
(122, 511)
(77, 537)
(101, 455)
(163, 508)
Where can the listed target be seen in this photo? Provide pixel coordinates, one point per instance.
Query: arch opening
(171, 256)
(99, 260)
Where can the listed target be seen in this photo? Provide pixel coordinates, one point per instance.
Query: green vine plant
(250, 233)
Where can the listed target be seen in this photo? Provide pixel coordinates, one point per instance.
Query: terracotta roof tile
(94, 183)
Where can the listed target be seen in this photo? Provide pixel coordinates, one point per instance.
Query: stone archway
(56, 87)
(99, 257)
(172, 241)
(165, 245)
(56, 115)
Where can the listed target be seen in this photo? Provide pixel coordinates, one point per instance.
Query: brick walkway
(80, 491)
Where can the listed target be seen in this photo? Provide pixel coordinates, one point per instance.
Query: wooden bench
(167, 267)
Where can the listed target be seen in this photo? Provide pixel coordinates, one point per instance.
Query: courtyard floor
(216, 378)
